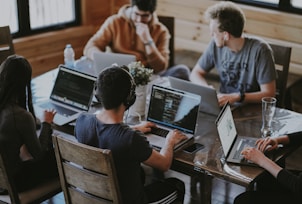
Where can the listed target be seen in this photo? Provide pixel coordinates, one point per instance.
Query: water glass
(268, 111)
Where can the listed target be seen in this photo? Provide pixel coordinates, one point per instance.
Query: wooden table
(248, 122)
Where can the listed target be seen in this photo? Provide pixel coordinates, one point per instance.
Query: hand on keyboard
(175, 136)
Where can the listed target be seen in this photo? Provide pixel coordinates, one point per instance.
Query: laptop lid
(209, 102)
(232, 143)
(102, 60)
(226, 129)
(73, 88)
(172, 109)
(71, 95)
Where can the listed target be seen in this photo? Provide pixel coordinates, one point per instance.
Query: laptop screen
(73, 88)
(226, 128)
(174, 108)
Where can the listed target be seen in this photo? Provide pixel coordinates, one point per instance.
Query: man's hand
(224, 98)
(174, 137)
(144, 126)
(142, 30)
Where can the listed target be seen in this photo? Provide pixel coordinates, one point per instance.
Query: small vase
(139, 106)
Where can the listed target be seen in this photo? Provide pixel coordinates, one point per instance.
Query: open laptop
(171, 109)
(209, 102)
(232, 143)
(71, 95)
(102, 60)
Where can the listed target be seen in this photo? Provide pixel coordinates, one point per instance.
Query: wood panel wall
(192, 32)
(45, 51)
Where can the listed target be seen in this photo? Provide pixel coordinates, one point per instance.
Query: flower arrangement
(140, 73)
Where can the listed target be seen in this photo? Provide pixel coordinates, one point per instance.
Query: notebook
(102, 60)
(172, 109)
(71, 95)
(209, 102)
(232, 143)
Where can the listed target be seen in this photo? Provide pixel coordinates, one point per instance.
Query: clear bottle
(69, 56)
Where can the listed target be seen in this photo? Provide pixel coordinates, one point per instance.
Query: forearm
(155, 59)
(45, 135)
(167, 152)
(270, 166)
(198, 78)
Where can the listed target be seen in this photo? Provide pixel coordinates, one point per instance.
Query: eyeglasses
(143, 16)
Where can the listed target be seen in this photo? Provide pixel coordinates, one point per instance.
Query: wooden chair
(87, 173)
(168, 21)
(35, 195)
(282, 59)
(6, 43)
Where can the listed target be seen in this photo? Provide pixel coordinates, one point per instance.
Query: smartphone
(193, 148)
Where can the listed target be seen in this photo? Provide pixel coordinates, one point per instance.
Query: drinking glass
(268, 111)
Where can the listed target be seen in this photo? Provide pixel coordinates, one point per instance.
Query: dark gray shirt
(243, 71)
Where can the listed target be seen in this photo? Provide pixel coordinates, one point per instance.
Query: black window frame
(24, 20)
(283, 5)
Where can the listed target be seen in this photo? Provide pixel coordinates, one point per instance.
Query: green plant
(140, 73)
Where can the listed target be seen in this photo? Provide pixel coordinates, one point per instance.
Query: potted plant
(141, 76)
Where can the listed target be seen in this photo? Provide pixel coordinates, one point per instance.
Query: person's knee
(178, 71)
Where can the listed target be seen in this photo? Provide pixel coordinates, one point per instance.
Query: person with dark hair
(115, 90)
(245, 64)
(136, 30)
(31, 158)
(279, 185)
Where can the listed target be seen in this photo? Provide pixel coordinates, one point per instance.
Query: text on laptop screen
(226, 129)
(73, 88)
(174, 108)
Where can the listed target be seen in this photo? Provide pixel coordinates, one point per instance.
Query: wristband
(150, 42)
(242, 96)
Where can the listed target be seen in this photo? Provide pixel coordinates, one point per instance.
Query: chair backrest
(168, 21)
(6, 43)
(87, 173)
(282, 56)
(37, 194)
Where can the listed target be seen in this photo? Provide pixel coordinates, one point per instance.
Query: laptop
(171, 109)
(209, 101)
(71, 95)
(102, 60)
(232, 143)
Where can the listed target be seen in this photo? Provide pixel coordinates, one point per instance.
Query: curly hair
(230, 17)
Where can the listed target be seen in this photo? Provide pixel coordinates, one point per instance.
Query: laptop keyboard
(159, 131)
(244, 143)
(60, 110)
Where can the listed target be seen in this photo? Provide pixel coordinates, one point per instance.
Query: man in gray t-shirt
(245, 64)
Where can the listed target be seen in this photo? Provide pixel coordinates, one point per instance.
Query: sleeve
(27, 128)
(161, 37)
(266, 65)
(206, 60)
(141, 147)
(100, 39)
(291, 181)
(295, 138)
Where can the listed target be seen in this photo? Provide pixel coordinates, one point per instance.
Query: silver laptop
(171, 109)
(101, 60)
(232, 143)
(209, 101)
(71, 95)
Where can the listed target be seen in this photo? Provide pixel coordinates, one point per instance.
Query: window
(26, 17)
(292, 6)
